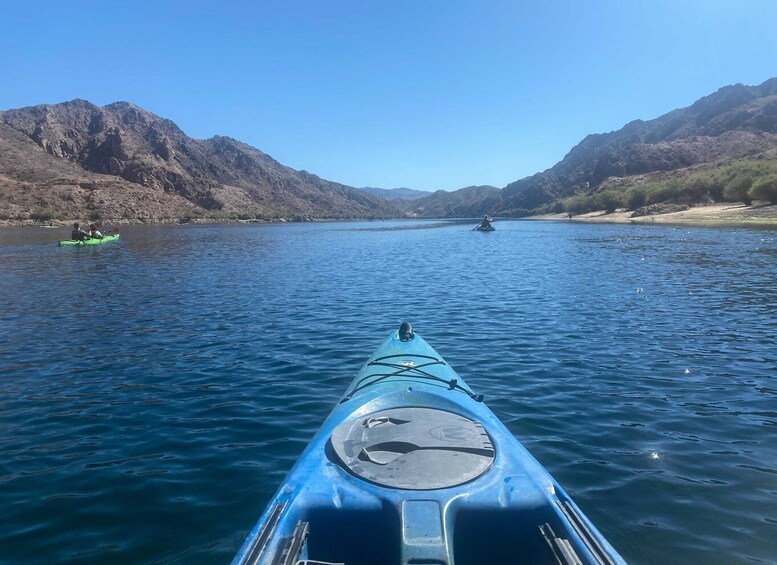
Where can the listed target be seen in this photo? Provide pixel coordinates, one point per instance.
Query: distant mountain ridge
(395, 193)
(466, 202)
(76, 159)
(88, 148)
(736, 122)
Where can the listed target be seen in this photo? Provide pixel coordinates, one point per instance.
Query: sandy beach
(715, 214)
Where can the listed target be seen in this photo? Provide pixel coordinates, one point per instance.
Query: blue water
(154, 392)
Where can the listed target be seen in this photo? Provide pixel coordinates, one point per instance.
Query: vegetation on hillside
(740, 181)
(44, 215)
(735, 123)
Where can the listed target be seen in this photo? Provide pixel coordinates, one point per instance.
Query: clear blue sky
(422, 94)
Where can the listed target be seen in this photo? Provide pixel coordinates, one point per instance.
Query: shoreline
(728, 214)
(734, 215)
(174, 222)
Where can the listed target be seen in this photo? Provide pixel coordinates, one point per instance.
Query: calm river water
(154, 392)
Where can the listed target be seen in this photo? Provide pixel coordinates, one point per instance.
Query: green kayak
(106, 239)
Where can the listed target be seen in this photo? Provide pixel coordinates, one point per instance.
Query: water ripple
(154, 393)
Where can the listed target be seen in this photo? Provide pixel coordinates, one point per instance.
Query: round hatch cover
(414, 448)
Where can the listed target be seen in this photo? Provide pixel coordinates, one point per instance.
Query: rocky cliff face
(733, 123)
(124, 149)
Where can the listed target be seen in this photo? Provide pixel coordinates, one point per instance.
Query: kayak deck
(93, 241)
(412, 467)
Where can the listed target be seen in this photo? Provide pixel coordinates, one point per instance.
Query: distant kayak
(91, 241)
(485, 224)
(412, 467)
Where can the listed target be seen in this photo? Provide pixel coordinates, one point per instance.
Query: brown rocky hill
(468, 202)
(736, 122)
(120, 161)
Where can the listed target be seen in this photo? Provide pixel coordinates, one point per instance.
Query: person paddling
(486, 223)
(94, 231)
(78, 234)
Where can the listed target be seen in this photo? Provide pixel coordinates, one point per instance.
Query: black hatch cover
(414, 448)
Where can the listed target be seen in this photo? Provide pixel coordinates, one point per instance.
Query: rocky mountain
(32, 182)
(396, 193)
(736, 122)
(468, 202)
(120, 161)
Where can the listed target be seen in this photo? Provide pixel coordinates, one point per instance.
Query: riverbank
(715, 214)
(170, 221)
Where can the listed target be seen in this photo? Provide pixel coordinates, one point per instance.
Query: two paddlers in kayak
(82, 235)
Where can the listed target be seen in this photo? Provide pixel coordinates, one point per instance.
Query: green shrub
(715, 188)
(635, 198)
(765, 188)
(694, 189)
(580, 204)
(44, 214)
(608, 200)
(552, 207)
(737, 189)
(663, 192)
(222, 215)
(556, 207)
